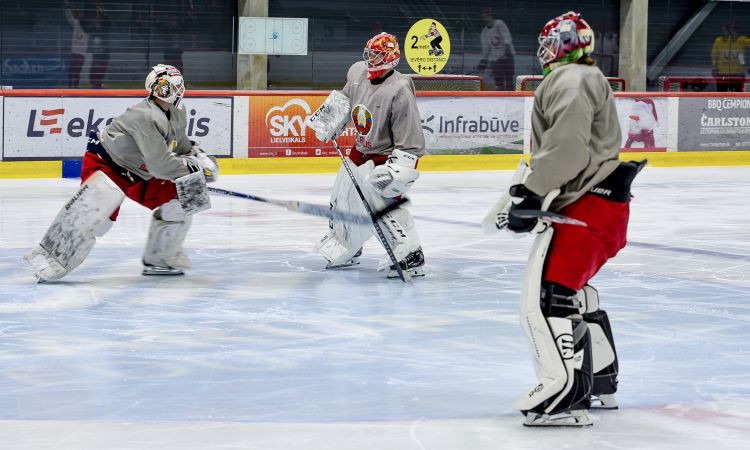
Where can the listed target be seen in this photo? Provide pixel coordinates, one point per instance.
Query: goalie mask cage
(531, 82)
(699, 84)
(447, 82)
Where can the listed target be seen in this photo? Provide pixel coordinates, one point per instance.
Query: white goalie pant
(169, 227)
(560, 346)
(74, 230)
(344, 240)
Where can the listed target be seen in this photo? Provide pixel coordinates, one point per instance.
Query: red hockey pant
(577, 253)
(150, 193)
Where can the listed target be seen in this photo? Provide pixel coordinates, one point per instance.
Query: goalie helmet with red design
(165, 83)
(381, 54)
(563, 40)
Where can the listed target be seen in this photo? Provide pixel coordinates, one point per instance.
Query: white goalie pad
(492, 223)
(398, 227)
(541, 332)
(73, 232)
(192, 193)
(552, 340)
(331, 118)
(345, 239)
(165, 239)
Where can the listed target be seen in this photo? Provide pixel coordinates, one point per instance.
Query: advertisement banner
(277, 128)
(644, 123)
(468, 125)
(34, 71)
(714, 123)
(55, 127)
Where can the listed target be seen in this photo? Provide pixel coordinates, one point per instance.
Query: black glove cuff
(530, 201)
(520, 190)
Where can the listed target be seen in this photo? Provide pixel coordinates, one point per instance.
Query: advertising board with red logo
(57, 127)
(277, 127)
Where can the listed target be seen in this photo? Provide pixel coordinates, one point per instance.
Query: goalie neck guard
(563, 40)
(381, 54)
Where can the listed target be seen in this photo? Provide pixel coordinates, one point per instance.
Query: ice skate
(149, 269)
(412, 264)
(574, 418)
(604, 401)
(353, 261)
(170, 266)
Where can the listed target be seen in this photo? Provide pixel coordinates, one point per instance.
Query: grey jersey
(142, 140)
(385, 115)
(576, 133)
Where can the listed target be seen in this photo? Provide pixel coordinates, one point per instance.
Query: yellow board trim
(30, 169)
(452, 163)
(690, 159)
(429, 163)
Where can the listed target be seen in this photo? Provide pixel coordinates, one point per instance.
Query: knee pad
(604, 354)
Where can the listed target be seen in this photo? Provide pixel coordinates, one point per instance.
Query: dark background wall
(694, 59)
(338, 33)
(124, 39)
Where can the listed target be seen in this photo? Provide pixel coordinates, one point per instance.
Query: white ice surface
(259, 347)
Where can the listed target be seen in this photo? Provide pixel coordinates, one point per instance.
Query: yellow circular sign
(427, 47)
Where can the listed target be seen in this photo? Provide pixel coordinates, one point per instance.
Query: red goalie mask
(381, 54)
(563, 40)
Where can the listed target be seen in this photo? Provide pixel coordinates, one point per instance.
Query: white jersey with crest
(384, 113)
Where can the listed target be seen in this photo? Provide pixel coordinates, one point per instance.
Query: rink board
(257, 132)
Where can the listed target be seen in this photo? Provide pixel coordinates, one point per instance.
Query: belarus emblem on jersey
(362, 118)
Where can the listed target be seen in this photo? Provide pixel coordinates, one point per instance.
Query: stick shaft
(300, 207)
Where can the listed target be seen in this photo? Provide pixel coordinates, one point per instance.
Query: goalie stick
(546, 216)
(304, 208)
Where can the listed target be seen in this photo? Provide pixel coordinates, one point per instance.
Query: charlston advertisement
(644, 124)
(54, 127)
(714, 123)
(277, 128)
(466, 125)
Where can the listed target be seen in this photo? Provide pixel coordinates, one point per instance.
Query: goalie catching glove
(395, 176)
(331, 118)
(198, 160)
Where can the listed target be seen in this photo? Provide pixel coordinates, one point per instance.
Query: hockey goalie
(388, 143)
(575, 171)
(145, 155)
